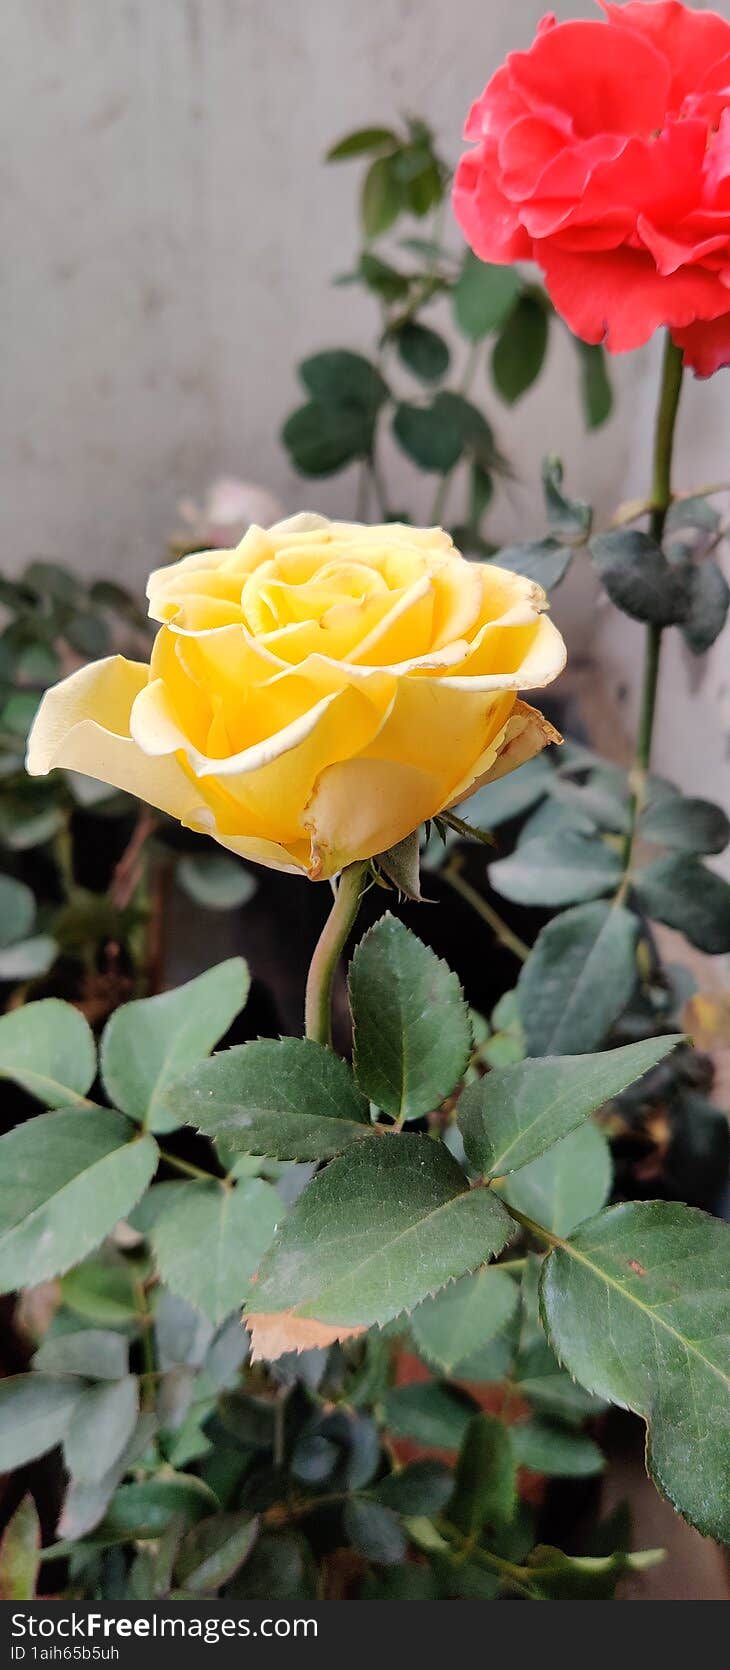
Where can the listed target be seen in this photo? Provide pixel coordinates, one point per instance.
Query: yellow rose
(315, 694)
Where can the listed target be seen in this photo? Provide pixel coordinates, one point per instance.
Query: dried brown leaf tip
(277, 1332)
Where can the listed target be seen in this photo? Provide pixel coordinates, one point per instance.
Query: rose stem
(328, 950)
(661, 498)
(451, 873)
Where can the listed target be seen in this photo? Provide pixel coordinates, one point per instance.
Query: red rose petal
(618, 297)
(607, 78)
(487, 219)
(706, 344)
(690, 41)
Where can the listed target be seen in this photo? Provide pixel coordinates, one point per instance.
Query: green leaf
(412, 1037)
(452, 1326)
(561, 869)
(428, 434)
(214, 1550)
(520, 349)
(512, 795)
(209, 1241)
(423, 351)
(49, 1048)
(17, 910)
(535, 1369)
(279, 1565)
(595, 388)
(569, 519)
(692, 511)
(635, 1303)
(638, 578)
(384, 1225)
(685, 824)
(428, 1413)
(483, 296)
(558, 1576)
(360, 142)
(28, 959)
(686, 895)
(481, 492)
(216, 880)
(422, 1488)
(35, 1410)
(552, 1450)
(323, 439)
(145, 1509)
(385, 280)
(567, 1184)
(513, 1114)
(543, 560)
(102, 1291)
(578, 978)
(374, 1532)
(709, 600)
(289, 1098)
(382, 197)
(100, 1428)
(20, 1547)
(95, 1353)
(67, 1178)
(148, 1043)
(485, 1481)
(337, 377)
(601, 801)
(150, 1577)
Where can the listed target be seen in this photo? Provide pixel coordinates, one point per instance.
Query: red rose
(603, 154)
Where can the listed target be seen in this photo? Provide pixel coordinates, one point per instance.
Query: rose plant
(419, 385)
(312, 698)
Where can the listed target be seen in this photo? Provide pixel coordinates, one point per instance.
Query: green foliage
(683, 823)
(338, 424)
(48, 1047)
(215, 880)
(67, 1178)
(514, 1114)
(20, 1553)
(543, 560)
(485, 1481)
(621, 1276)
(560, 869)
(213, 1550)
(35, 1411)
(451, 1328)
(483, 297)
(595, 387)
(554, 1451)
(497, 316)
(423, 351)
(289, 1098)
(429, 1413)
(568, 1183)
(686, 895)
(638, 578)
(707, 606)
(147, 1044)
(209, 1239)
(378, 1230)
(520, 348)
(411, 1025)
(578, 979)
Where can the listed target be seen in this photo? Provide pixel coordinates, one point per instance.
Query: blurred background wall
(169, 237)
